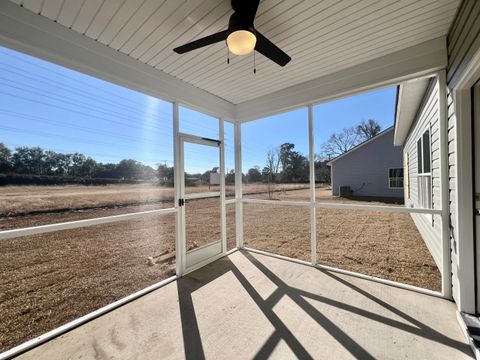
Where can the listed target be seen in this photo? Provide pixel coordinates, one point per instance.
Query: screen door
(200, 200)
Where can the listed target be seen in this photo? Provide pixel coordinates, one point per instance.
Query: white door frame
(476, 186)
(194, 259)
(464, 231)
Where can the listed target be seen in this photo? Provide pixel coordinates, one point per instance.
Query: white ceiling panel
(322, 37)
(68, 12)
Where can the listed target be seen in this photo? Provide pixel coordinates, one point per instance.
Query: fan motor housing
(238, 22)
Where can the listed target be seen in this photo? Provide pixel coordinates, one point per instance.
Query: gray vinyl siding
(365, 169)
(427, 118)
(462, 42)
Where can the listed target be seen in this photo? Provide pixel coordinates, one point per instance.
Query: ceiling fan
(241, 36)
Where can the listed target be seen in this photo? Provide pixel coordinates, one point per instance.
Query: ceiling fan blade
(270, 50)
(207, 40)
(247, 9)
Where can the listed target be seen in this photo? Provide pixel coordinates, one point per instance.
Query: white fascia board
(38, 36)
(410, 98)
(416, 61)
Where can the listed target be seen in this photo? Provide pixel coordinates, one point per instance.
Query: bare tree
(339, 143)
(271, 169)
(368, 129)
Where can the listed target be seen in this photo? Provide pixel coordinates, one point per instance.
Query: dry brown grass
(18, 200)
(50, 279)
(385, 245)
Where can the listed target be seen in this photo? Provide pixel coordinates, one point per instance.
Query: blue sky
(43, 104)
(331, 117)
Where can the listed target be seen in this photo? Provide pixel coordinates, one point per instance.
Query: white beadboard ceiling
(322, 37)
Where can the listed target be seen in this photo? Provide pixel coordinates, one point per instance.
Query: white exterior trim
(410, 96)
(446, 255)
(464, 231)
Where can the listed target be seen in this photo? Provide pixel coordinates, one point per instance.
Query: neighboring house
(373, 168)
(417, 130)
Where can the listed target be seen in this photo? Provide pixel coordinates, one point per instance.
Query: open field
(47, 280)
(19, 200)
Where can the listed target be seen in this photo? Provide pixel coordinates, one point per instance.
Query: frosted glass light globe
(241, 42)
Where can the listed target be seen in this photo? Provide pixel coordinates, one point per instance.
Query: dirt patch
(385, 245)
(50, 279)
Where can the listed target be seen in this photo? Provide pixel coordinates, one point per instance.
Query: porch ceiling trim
(25, 31)
(416, 61)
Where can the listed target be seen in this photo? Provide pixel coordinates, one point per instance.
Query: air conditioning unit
(344, 191)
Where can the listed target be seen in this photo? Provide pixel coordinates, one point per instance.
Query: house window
(424, 177)
(395, 178)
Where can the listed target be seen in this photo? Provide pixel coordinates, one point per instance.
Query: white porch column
(313, 211)
(238, 186)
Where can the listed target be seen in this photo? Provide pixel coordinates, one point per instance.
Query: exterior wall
(427, 118)
(462, 42)
(365, 169)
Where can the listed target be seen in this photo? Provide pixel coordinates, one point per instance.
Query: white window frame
(424, 179)
(396, 178)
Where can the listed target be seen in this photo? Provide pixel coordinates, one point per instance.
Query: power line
(72, 89)
(75, 103)
(81, 128)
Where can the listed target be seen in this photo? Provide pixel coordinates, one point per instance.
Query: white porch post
(238, 186)
(445, 203)
(222, 185)
(313, 211)
(176, 184)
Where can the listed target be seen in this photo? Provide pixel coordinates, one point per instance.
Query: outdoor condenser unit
(344, 191)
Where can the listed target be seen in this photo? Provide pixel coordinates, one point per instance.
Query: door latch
(181, 202)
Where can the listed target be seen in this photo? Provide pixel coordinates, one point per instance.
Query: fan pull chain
(228, 55)
(254, 66)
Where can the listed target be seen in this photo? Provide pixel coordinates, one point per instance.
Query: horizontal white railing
(41, 229)
(204, 195)
(345, 206)
(276, 202)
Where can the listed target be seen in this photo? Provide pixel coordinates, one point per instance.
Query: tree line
(286, 165)
(35, 161)
(34, 165)
(283, 164)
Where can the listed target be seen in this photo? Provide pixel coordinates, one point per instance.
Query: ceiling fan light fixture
(241, 42)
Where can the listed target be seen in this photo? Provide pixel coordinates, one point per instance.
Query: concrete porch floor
(254, 306)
